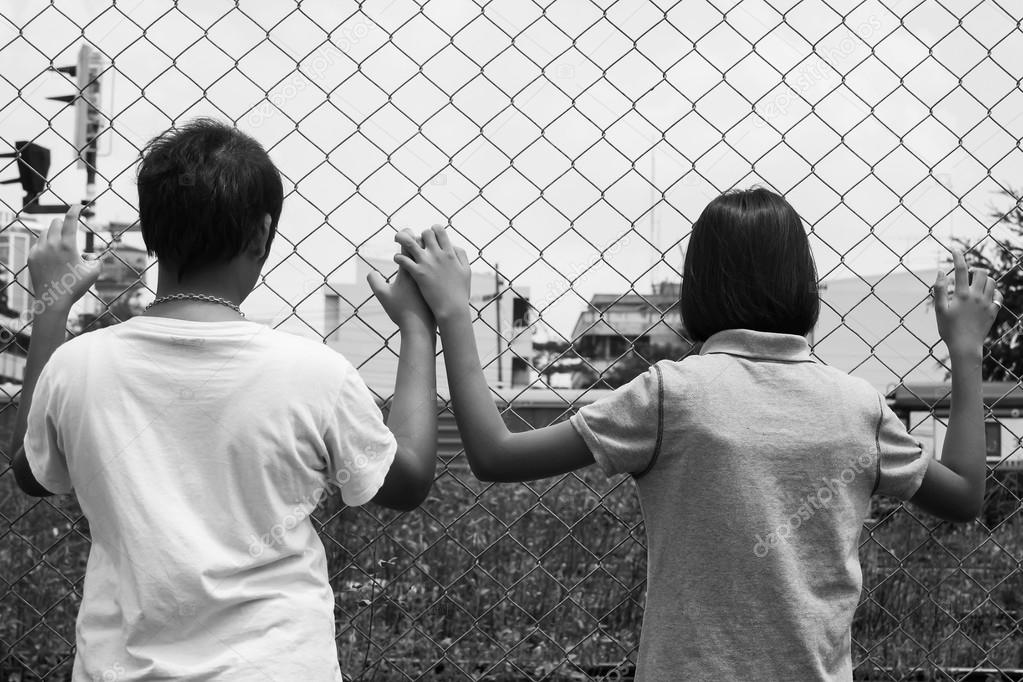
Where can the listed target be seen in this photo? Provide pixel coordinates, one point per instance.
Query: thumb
(377, 284)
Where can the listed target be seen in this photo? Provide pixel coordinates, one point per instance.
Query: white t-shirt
(197, 451)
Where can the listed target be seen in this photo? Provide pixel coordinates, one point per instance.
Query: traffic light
(33, 168)
(34, 160)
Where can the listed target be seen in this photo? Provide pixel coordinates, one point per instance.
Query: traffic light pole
(87, 127)
(33, 160)
(90, 192)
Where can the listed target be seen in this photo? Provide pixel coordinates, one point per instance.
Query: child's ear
(257, 245)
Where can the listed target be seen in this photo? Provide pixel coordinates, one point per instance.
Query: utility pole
(497, 309)
(496, 298)
(655, 226)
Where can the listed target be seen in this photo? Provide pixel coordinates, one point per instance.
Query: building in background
(614, 324)
(925, 408)
(121, 281)
(121, 287)
(880, 328)
(358, 328)
(16, 238)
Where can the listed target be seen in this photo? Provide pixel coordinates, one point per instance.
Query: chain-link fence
(569, 145)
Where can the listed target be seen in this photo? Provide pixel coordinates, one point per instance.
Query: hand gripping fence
(569, 145)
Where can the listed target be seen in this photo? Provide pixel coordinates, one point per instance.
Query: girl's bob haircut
(749, 266)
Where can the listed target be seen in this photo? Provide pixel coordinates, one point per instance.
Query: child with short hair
(755, 463)
(198, 443)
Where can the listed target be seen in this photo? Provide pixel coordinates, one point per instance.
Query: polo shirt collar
(759, 345)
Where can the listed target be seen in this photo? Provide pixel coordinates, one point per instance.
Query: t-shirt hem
(578, 422)
(912, 485)
(53, 487)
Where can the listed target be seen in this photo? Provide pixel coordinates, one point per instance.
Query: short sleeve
(901, 461)
(360, 447)
(623, 430)
(43, 444)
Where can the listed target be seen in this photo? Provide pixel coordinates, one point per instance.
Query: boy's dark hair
(204, 189)
(749, 266)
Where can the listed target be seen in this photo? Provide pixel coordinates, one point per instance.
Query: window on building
(520, 371)
(520, 312)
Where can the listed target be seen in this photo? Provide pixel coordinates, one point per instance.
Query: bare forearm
(413, 415)
(964, 448)
(479, 422)
(443, 275)
(49, 331)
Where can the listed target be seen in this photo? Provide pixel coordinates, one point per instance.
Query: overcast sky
(546, 136)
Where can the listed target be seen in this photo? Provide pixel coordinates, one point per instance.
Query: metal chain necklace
(206, 298)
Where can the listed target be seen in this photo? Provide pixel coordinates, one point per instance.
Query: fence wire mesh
(570, 145)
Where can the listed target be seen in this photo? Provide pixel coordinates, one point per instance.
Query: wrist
(453, 317)
(54, 311)
(964, 348)
(969, 355)
(413, 324)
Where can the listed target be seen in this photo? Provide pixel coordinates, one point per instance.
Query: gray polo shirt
(755, 466)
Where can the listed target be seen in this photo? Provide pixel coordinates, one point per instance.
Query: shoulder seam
(660, 423)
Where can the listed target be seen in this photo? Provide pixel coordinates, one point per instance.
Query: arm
(51, 260)
(413, 415)
(494, 453)
(413, 421)
(953, 489)
(48, 333)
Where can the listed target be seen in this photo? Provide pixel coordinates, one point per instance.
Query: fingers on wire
(941, 291)
(441, 234)
(406, 263)
(429, 239)
(69, 228)
(978, 280)
(962, 274)
(410, 246)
